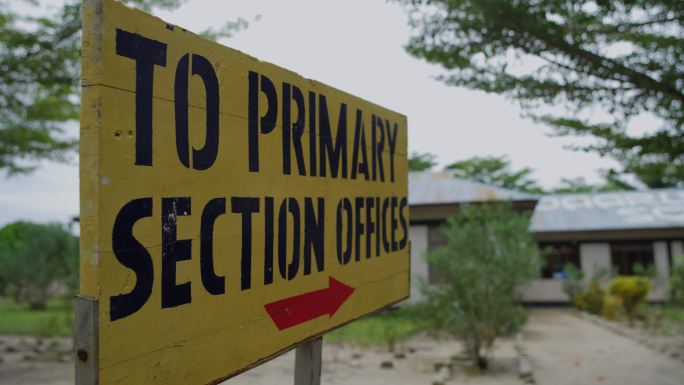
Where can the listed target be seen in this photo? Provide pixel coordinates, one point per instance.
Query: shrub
(632, 290)
(612, 306)
(677, 279)
(591, 300)
(573, 284)
(34, 257)
(488, 255)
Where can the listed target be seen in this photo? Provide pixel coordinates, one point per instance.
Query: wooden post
(85, 340)
(308, 362)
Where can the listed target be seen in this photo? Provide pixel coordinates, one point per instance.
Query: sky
(356, 46)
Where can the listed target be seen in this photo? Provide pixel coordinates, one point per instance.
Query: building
(433, 197)
(612, 230)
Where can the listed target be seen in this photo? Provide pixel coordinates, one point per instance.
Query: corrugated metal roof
(627, 210)
(431, 188)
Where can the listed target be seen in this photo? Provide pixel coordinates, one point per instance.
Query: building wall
(593, 255)
(661, 257)
(418, 234)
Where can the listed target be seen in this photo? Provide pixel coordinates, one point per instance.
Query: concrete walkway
(567, 350)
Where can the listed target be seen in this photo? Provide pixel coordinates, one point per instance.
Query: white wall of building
(418, 234)
(661, 286)
(593, 257)
(677, 248)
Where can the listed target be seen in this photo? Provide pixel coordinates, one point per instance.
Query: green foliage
(39, 73)
(591, 300)
(573, 284)
(611, 182)
(35, 257)
(488, 255)
(54, 320)
(388, 327)
(495, 171)
(621, 56)
(612, 307)
(632, 290)
(677, 279)
(421, 162)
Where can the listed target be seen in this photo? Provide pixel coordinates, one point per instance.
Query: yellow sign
(230, 209)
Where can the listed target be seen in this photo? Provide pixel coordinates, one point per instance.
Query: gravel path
(568, 350)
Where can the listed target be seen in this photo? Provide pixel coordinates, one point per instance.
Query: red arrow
(296, 310)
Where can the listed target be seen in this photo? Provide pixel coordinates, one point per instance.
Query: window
(626, 255)
(556, 256)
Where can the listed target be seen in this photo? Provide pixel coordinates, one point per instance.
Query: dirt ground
(564, 349)
(568, 350)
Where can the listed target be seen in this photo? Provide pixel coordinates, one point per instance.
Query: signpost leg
(308, 363)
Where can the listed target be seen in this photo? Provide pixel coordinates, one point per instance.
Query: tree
(488, 255)
(611, 182)
(34, 257)
(495, 171)
(421, 162)
(39, 73)
(624, 56)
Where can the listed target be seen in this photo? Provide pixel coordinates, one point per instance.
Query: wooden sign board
(230, 209)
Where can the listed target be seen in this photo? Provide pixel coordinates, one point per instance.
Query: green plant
(35, 257)
(611, 307)
(550, 53)
(573, 284)
(677, 279)
(633, 291)
(591, 300)
(488, 255)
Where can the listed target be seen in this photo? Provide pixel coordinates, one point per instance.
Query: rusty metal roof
(625, 210)
(432, 188)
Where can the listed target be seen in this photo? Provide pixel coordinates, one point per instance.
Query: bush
(677, 279)
(612, 306)
(591, 300)
(35, 257)
(632, 290)
(573, 284)
(489, 254)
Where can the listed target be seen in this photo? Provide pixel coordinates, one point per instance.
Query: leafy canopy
(489, 254)
(39, 73)
(495, 171)
(421, 162)
(33, 257)
(624, 56)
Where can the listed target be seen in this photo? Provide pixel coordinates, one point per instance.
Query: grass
(388, 327)
(55, 320)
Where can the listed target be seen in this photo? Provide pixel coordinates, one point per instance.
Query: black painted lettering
(174, 250)
(344, 255)
(312, 134)
(359, 146)
(132, 254)
(147, 53)
(359, 227)
(245, 206)
(289, 271)
(314, 234)
(403, 205)
(268, 241)
(213, 283)
(334, 156)
(294, 131)
(394, 223)
(370, 225)
(392, 140)
(205, 157)
(267, 122)
(378, 148)
(385, 242)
